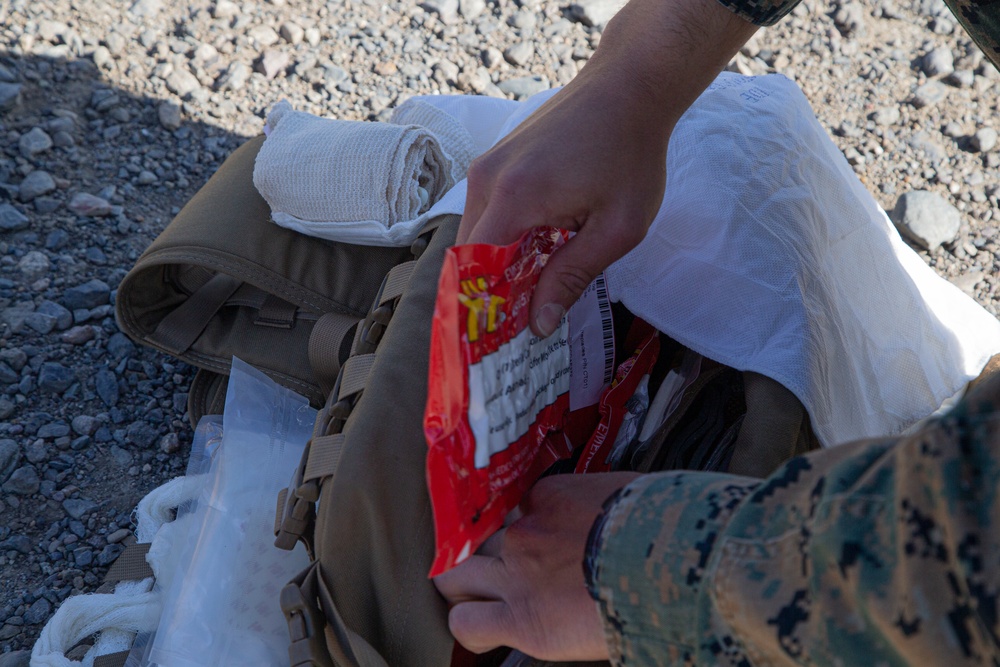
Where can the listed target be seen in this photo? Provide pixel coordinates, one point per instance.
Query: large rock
(91, 294)
(36, 184)
(926, 219)
(34, 142)
(23, 482)
(55, 378)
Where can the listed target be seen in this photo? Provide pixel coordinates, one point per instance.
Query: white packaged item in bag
(222, 604)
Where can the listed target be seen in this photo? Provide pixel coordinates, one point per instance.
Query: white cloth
(769, 255)
(356, 182)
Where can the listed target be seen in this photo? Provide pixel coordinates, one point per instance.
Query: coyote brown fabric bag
(222, 279)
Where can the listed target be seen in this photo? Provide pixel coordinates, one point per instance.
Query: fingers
(575, 265)
(477, 578)
(482, 626)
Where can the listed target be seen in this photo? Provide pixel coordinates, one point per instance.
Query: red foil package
(497, 394)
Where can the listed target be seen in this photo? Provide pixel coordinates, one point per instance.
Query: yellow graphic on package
(484, 308)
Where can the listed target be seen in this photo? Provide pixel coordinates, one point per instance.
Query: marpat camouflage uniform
(881, 552)
(979, 18)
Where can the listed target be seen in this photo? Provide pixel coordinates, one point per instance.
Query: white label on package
(508, 388)
(592, 345)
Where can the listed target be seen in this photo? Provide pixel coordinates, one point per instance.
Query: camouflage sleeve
(881, 552)
(760, 12)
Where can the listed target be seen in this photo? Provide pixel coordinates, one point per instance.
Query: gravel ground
(112, 114)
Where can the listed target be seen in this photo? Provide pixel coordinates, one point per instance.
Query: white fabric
(769, 255)
(357, 182)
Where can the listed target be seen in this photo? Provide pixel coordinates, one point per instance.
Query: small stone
(11, 219)
(121, 457)
(10, 457)
(118, 535)
(109, 554)
(40, 322)
(36, 452)
(272, 62)
(55, 378)
(224, 9)
(36, 184)
(520, 54)
(470, 9)
(492, 57)
(926, 218)
(939, 62)
(46, 205)
(141, 433)
(78, 335)
(34, 265)
(524, 86)
(86, 204)
(146, 8)
(291, 32)
(23, 481)
(38, 612)
(170, 443)
(169, 115)
(102, 57)
(929, 94)
(34, 142)
(83, 556)
(18, 543)
(886, 116)
(15, 357)
(313, 36)
(234, 78)
(7, 374)
(63, 318)
(106, 385)
(53, 430)
(447, 10)
(6, 410)
(595, 13)
(10, 95)
(91, 294)
(56, 239)
(264, 35)
(84, 425)
(850, 18)
(78, 507)
(984, 140)
(182, 82)
(963, 78)
(7, 632)
(146, 177)
(119, 346)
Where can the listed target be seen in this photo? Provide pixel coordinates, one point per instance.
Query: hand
(592, 159)
(525, 587)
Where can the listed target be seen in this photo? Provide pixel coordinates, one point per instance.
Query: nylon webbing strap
(324, 347)
(324, 455)
(396, 281)
(276, 312)
(279, 512)
(131, 565)
(180, 329)
(355, 374)
(111, 659)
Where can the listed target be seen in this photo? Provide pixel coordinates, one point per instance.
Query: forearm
(880, 552)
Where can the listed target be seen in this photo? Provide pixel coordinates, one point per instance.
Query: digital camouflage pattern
(882, 552)
(979, 18)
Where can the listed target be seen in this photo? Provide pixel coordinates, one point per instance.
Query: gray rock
(939, 62)
(18, 543)
(36, 184)
(447, 10)
(963, 78)
(922, 141)
(121, 457)
(40, 322)
(272, 62)
(56, 239)
(524, 86)
(6, 410)
(169, 115)
(55, 378)
(34, 142)
(38, 612)
(10, 96)
(234, 78)
(886, 116)
(141, 433)
(15, 659)
(34, 265)
(14, 318)
(595, 12)
(63, 317)
(10, 457)
(46, 205)
(182, 82)
(119, 346)
(929, 94)
(170, 443)
(84, 425)
(106, 385)
(850, 18)
(78, 507)
(470, 9)
(264, 36)
(91, 294)
(53, 430)
(109, 554)
(79, 335)
(146, 8)
(520, 54)
(36, 452)
(86, 204)
(926, 218)
(291, 32)
(15, 357)
(23, 481)
(7, 374)
(11, 219)
(83, 556)
(224, 9)
(984, 140)
(9, 631)
(146, 177)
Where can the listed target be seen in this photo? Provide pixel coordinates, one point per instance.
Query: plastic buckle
(305, 649)
(298, 513)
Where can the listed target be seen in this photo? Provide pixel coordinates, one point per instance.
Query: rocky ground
(114, 112)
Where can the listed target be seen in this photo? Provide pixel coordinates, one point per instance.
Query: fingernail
(548, 318)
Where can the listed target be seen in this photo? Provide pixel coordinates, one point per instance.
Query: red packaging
(497, 394)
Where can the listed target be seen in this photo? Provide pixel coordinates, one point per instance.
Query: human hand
(524, 588)
(592, 159)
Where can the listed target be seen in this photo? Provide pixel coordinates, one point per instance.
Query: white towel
(351, 181)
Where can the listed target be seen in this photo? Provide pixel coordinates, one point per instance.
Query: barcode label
(592, 345)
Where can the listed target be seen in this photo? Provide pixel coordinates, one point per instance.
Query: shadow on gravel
(89, 423)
